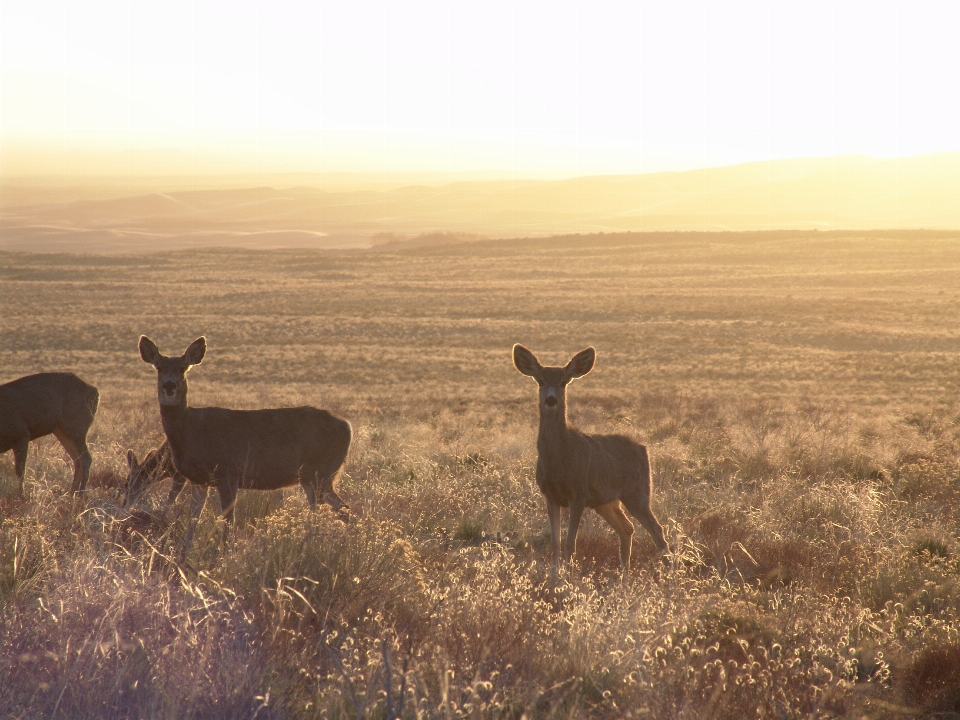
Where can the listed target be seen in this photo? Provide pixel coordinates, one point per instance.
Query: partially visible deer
(38, 405)
(250, 449)
(577, 470)
(156, 465)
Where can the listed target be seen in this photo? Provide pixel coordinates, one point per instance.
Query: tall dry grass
(816, 570)
(810, 577)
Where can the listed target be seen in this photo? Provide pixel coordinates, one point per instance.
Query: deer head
(553, 380)
(172, 372)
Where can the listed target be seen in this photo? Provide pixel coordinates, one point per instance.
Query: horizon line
(492, 174)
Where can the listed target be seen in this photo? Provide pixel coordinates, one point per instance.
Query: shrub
(931, 680)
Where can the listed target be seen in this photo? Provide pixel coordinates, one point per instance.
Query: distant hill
(849, 192)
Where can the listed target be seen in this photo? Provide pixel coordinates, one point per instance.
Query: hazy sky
(545, 88)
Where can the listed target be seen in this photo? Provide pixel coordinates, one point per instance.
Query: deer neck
(174, 420)
(551, 440)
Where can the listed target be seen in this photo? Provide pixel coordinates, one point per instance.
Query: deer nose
(169, 387)
(550, 401)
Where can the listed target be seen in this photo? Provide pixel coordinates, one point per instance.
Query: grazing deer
(576, 470)
(38, 405)
(251, 449)
(156, 465)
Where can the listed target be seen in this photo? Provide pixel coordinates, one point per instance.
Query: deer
(157, 465)
(56, 403)
(577, 470)
(245, 449)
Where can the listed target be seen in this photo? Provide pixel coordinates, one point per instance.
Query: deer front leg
(573, 526)
(553, 512)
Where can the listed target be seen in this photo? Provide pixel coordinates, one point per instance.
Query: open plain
(799, 392)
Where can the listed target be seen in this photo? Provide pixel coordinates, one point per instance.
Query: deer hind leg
(312, 486)
(336, 502)
(311, 493)
(86, 460)
(20, 448)
(80, 454)
(228, 499)
(321, 486)
(330, 498)
(178, 482)
(613, 514)
(644, 515)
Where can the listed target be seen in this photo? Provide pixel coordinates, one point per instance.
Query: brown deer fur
(577, 470)
(49, 403)
(253, 449)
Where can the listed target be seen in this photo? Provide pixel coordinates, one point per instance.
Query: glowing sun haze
(540, 89)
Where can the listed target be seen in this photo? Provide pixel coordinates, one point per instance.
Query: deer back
(265, 449)
(39, 404)
(596, 468)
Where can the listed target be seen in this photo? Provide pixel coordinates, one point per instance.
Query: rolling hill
(849, 192)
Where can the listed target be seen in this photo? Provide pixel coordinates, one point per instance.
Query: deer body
(579, 471)
(250, 449)
(262, 449)
(589, 468)
(60, 404)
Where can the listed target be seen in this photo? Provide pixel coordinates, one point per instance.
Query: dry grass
(798, 393)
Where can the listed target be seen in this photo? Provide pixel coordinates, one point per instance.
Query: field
(799, 393)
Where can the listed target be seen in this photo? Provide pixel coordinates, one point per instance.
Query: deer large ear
(581, 364)
(131, 460)
(196, 351)
(149, 351)
(526, 361)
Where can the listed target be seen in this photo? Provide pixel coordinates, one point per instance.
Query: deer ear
(196, 351)
(149, 351)
(131, 460)
(581, 364)
(526, 361)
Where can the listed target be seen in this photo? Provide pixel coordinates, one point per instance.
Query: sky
(537, 88)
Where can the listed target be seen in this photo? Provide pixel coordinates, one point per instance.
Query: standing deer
(38, 405)
(577, 470)
(252, 449)
(156, 465)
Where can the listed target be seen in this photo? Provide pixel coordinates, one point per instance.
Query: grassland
(798, 391)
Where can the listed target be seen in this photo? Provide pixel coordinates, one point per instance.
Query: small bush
(931, 680)
(340, 570)
(931, 548)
